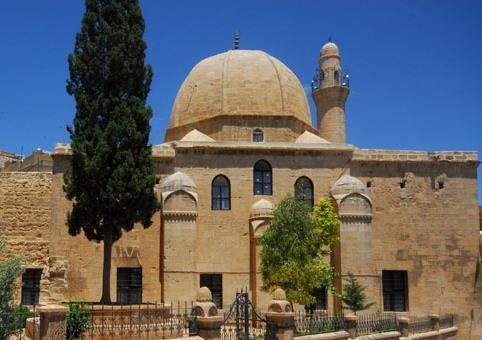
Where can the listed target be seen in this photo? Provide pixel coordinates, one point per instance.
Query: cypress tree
(354, 297)
(111, 180)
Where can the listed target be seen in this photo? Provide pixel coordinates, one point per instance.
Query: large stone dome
(239, 83)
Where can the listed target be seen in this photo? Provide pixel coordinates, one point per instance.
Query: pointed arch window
(220, 193)
(304, 190)
(263, 180)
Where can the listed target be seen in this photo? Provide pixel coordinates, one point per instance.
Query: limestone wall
(223, 236)
(25, 218)
(425, 221)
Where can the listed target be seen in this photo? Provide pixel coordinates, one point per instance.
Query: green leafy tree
(354, 295)
(10, 270)
(295, 247)
(111, 180)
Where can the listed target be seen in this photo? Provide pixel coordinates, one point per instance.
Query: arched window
(258, 136)
(262, 178)
(220, 193)
(304, 190)
(337, 77)
(322, 75)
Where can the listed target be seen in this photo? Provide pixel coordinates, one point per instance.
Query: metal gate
(243, 322)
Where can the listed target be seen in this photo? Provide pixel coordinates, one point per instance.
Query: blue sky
(415, 66)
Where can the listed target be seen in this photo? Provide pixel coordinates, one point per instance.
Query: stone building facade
(240, 140)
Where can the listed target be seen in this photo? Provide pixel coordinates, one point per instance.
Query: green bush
(20, 316)
(78, 319)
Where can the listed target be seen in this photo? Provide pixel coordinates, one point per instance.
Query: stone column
(207, 320)
(435, 318)
(351, 321)
(281, 315)
(403, 326)
(53, 322)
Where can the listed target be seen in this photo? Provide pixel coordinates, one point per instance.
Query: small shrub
(20, 316)
(78, 319)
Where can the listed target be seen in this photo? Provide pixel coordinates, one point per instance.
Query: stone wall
(425, 221)
(25, 218)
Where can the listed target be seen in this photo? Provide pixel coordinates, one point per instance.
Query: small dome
(329, 49)
(204, 295)
(178, 181)
(310, 138)
(347, 185)
(196, 136)
(261, 208)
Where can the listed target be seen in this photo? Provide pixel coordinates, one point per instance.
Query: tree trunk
(105, 299)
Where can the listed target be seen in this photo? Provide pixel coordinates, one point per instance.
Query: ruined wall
(25, 217)
(8, 157)
(425, 221)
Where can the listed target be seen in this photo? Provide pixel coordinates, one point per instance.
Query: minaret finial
(329, 38)
(236, 40)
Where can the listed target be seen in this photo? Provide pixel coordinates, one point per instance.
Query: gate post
(403, 326)
(208, 322)
(351, 321)
(53, 322)
(281, 315)
(435, 319)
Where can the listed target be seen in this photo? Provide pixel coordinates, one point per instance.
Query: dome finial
(329, 38)
(236, 40)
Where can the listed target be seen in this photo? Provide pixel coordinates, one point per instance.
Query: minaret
(330, 95)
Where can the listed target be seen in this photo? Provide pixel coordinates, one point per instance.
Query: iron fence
(317, 322)
(446, 321)
(157, 320)
(243, 322)
(376, 323)
(20, 323)
(419, 325)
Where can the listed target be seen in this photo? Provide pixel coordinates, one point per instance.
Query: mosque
(240, 139)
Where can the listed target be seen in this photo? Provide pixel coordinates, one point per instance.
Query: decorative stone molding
(204, 306)
(261, 209)
(279, 304)
(207, 319)
(180, 215)
(281, 314)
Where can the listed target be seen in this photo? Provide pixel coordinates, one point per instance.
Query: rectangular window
(395, 290)
(31, 286)
(215, 284)
(320, 295)
(129, 285)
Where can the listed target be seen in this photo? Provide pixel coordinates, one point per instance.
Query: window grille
(262, 178)
(220, 193)
(215, 284)
(304, 190)
(31, 286)
(129, 285)
(258, 136)
(395, 292)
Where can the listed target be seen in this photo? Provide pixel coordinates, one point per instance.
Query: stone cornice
(268, 147)
(378, 155)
